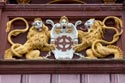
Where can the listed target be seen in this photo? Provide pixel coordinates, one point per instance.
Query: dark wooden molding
(100, 66)
(69, 7)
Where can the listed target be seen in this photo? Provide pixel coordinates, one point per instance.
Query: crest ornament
(64, 40)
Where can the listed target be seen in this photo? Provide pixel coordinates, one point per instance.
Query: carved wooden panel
(74, 12)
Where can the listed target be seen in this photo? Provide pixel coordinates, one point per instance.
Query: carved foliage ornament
(63, 36)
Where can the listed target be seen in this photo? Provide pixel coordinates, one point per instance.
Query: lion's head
(89, 23)
(38, 24)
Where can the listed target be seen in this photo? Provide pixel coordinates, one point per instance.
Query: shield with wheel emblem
(64, 42)
(64, 49)
(64, 35)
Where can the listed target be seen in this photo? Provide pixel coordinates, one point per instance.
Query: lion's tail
(104, 42)
(117, 20)
(17, 31)
(119, 54)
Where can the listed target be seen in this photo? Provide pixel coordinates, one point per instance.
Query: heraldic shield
(64, 35)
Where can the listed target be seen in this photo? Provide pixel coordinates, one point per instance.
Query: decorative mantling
(63, 36)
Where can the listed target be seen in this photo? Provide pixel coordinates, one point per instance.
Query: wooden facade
(59, 71)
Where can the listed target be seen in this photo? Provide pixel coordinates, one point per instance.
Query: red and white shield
(64, 41)
(64, 35)
(64, 46)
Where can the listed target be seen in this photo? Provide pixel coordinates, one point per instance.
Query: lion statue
(93, 39)
(37, 40)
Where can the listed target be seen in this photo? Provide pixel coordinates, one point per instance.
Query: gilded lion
(37, 40)
(93, 39)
